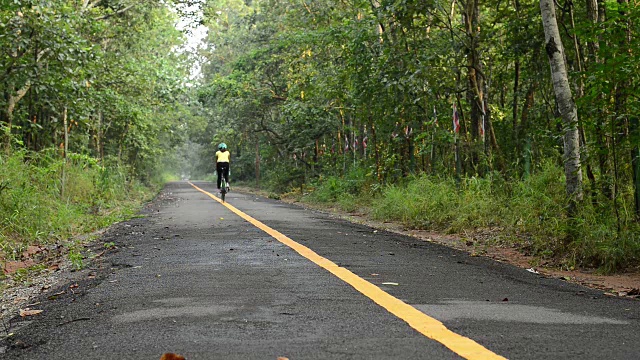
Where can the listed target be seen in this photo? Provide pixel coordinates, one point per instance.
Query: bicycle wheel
(223, 190)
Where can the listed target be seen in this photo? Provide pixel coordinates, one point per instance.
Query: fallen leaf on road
(390, 283)
(28, 312)
(32, 250)
(11, 267)
(171, 356)
(282, 358)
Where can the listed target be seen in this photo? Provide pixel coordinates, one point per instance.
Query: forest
(518, 118)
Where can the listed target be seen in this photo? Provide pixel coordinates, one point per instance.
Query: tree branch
(14, 99)
(86, 5)
(115, 13)
(304, 3)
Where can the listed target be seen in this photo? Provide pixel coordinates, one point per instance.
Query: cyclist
(222, 164)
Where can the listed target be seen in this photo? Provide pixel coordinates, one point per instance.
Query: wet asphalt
(191, 277)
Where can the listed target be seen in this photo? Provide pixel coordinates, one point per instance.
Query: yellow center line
(418, 320)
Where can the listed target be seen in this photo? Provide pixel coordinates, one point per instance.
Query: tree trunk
(476, 83)
(257, 164)
(475, 78)
(99, 135)
(595, 14)
(514, 110)
(11, 106)
(65, 150)
(516, 89)
(566, 104)
(635, 164)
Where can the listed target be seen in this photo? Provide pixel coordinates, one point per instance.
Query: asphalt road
(194, 278)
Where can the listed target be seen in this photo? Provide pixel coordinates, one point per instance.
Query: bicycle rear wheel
(223, 190)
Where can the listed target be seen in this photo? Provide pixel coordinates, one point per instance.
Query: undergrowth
(45, 200)
(530, 214)
(348, 193)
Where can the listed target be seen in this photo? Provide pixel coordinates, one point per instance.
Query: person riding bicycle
(222, 164)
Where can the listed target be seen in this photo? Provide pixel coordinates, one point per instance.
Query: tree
(566, 104)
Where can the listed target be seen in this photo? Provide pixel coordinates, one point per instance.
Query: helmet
(222, 146)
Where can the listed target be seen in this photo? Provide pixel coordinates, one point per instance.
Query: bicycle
(224, 188)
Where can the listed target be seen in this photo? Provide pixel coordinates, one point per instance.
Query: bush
(340, 189)
(531, 211)
(38, 207)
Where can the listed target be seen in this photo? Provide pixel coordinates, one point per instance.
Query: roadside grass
(527, 214)
(44, 201)
(348, 193)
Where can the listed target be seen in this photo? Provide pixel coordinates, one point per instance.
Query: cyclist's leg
(226, 174)
(219, 173)
(224, 171)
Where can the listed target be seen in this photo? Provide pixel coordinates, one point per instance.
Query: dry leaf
(171, 356)
(29, 312)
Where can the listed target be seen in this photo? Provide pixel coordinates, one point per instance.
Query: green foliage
(306, 83)
(330, 189)
(35, 208)
(532, 210)
(110, 69)
(282, 177)
(76, 258)
(347, 192)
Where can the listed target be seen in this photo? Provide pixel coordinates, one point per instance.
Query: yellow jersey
(222, 156)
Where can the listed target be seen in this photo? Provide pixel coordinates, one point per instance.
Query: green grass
(44, 200)
(530, 214)
(348, 193)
